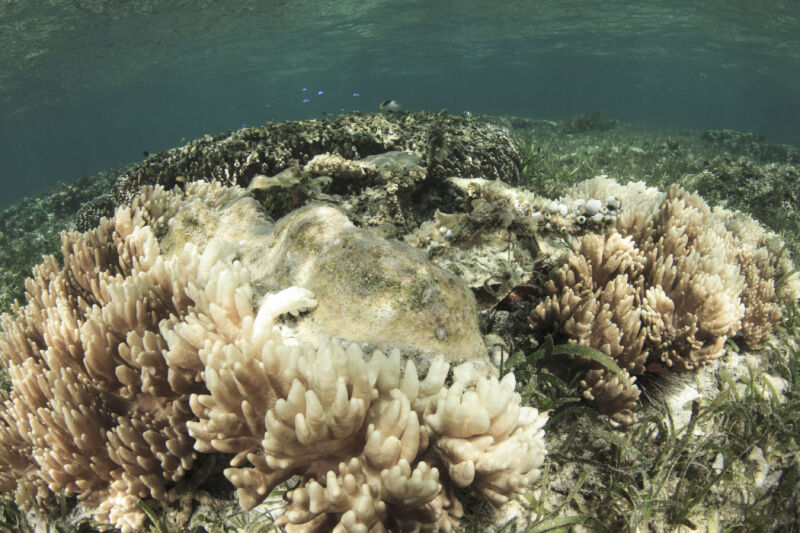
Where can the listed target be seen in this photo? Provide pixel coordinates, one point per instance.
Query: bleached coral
(91, 411)
(366, 437)
(336, 166)
(126, 363)
(664, 288)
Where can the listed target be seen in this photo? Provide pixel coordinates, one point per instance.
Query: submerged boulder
(370, 290)
(373, 290)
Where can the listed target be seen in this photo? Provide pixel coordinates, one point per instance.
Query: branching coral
(95, 410)
(664, 288)
(92, 410)
(594, 298)
(366, 438)
(126, 362)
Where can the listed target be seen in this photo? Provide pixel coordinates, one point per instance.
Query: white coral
(104, 394)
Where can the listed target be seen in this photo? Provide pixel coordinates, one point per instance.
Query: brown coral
(671, 291)
(91, 412)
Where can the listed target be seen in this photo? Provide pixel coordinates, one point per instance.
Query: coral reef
(665, 289)
(152, 344)
(493, 237)
(448, 146)
(30, 229)
(504, 243)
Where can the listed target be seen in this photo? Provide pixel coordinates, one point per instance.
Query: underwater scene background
(313, 266)
(89, 84)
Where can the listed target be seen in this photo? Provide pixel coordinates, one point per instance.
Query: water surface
(86, 85)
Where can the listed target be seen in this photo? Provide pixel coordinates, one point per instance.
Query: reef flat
(635, 286)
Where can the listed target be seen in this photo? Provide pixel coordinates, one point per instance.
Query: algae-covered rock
(372, 290)
(495, 236)
(447, 146)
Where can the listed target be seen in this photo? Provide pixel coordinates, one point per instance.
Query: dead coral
(463, 147)
(335, 166)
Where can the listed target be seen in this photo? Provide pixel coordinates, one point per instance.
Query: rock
(372, 290)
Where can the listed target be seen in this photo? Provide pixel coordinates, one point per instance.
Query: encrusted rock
(447, 146)
(372, 290)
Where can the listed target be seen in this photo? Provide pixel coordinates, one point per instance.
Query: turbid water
(87, 84)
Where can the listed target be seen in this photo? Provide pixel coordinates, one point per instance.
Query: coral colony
(128, 363)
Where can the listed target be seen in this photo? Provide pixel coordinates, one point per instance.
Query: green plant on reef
(552, 161)
(11, 519)
(5, 383)
(59, 517)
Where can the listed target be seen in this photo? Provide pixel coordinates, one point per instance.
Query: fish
(390, 106)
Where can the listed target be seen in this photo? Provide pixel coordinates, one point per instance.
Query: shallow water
(90, 84)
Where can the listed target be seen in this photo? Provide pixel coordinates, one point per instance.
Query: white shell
(592, 207)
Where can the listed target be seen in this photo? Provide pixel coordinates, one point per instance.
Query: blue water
(87, 85)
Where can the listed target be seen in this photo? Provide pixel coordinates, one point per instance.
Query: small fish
(145, 153)
(320, 92)
(356, 94)
(390, 106)
(306, 100)
(267, 106)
